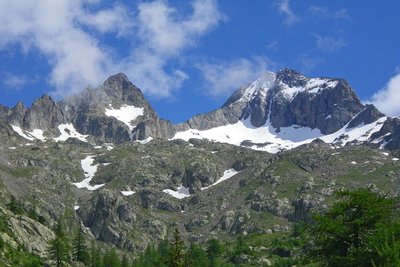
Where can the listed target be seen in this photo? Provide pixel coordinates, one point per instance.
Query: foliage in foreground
(362, 228)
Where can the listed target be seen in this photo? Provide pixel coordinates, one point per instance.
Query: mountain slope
(274, 113)
(282, 111)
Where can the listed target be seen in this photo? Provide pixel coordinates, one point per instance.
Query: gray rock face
(389, 134)
(287, 99)
(44, 114)
(284, 99)
(328, 111)
(368, 115)
(104, 214)
(14, 115)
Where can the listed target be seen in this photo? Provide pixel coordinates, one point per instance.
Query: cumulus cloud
(329, 43)
(388, 98)
(68, 34)
(164, 34)
(53, 28)
(224, 77)
(285, 9)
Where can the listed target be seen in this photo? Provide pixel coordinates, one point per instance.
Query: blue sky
(188, 56)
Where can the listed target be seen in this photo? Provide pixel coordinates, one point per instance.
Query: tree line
(361, 228)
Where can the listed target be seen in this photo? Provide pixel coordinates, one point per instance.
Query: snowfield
(89, 171)
(127, 193)
(227, 174)
(266, 138)
(181, 192)
(313, 86)
(125, 114)
(35, 134)
(145, 141)
(68, 131)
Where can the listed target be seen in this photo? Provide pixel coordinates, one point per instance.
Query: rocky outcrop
(27, 233)
(389, 135)
(200, 174)
(44, 114)
(289, 98)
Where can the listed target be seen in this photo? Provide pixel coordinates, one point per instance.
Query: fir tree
(177, 250)
(59, 247)
(214, 250)
(95, 259)
(196, 257)
(125, 261)
(111, 259)
(80, 251)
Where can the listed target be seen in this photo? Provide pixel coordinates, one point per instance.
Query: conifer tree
(80, 251)
(60, 247)
(177, 250)
(95, 259)
(111, 259)
(125, 261)
(214, 250)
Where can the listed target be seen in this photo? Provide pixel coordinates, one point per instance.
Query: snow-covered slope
(285, 110)
(29, 135)
(125, 114)
(267, 138)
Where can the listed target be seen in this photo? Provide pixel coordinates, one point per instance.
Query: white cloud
(225, 77)
(69, 34)
(285, 9)
(325, 12)
(53, 28)
(164, 35)
(273, 45)
(329, 43)
(388, 98)
(116, 19)
(308, 62)
(15, 82)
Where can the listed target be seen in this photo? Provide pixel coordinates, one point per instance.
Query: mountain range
(103, 159)
(274, 113)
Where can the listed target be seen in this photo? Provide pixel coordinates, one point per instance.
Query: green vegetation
(79, 249)
(360, 229)
(60, 247)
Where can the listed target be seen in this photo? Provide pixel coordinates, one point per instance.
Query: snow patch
(313, 86)
(89, 171)
(12, 147)
(385, 154)
(395, 159)
(38, 134)
(353, 162)
(259, 87)
(227, 174)
(68, 131)
(127, 193)
(35, 134)
(145, 141)
(125, 114)
(76, 207)
(181, 192)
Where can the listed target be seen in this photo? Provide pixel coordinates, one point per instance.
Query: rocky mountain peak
(44, 114)
(291, 78)
(120, 89)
